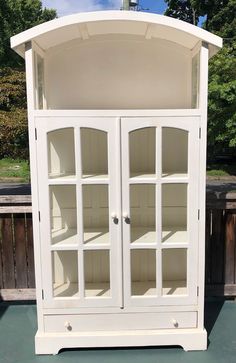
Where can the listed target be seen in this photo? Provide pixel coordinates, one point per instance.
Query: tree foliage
(15, 17)
(220, 19)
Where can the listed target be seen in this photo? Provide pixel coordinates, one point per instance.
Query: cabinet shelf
(170, 175)
(174, 288)
(62, 176)
(143, 236)
(70, 290)
(147, 236)
(175, 235)
(96, 237)
(93, 176)
(143, 175)
(64, 239)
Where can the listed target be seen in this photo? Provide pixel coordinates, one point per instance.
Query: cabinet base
(189, 339)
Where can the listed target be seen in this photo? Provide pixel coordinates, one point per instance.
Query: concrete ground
(18, 327)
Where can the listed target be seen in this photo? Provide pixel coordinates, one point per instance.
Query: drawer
(122, 321)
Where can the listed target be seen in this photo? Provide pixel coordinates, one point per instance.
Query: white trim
(119, 113)
(103, 16)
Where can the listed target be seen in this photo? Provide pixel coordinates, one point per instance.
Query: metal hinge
(39, 217)
(198, 214)
(198, 291)
(200, 132)
(35, 132)
(42, 295)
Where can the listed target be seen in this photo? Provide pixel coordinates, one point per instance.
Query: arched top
(87, 25)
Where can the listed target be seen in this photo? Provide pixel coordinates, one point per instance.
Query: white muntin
(117, 109)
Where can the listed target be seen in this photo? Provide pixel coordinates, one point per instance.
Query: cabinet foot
(189, 339)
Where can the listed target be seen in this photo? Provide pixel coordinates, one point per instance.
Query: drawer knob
(68, 326)
(175, 323)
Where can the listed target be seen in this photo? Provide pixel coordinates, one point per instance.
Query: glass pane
(61, 153)
(63, 214)
(143, 272)
(96, 214)
(174, 152)
(65, 273)
(142, 149)
(142, 213)
(39, 81)
(97, 273)
(195, 80)
(174, 271)
(174, 213)
(94, 153)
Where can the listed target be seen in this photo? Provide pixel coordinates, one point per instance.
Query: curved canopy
(87, 25)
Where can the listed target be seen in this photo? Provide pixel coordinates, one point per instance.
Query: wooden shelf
(174, 288)
(147, 288)
(64, 239)
(174, 235)
(143, 175)
(96, 237)
(143, 235)
(67, 289)
(91, 290)
(174, 175)
(62, 176)
(97, 289)
(95, 176)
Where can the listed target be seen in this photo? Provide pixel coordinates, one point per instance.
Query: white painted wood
(102, 322)
(119, 241)
(80, 220)
(189, 339)
(64, 29)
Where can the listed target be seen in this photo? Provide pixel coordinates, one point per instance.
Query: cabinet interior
(134, 73)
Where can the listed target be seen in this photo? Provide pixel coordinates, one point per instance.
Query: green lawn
(14, 171)
(18, 170)
(221, 170)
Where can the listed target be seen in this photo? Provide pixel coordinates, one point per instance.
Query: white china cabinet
(117, 108)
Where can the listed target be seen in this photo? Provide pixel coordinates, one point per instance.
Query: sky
(67, 7)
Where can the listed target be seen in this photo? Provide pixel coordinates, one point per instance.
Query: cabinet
(118, 173)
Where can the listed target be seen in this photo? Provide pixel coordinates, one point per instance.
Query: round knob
(67, 325)
(113, 215)
(175, 323)
(125, 215)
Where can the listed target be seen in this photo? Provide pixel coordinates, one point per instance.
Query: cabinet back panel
(61, 152)
(174, 150)
(95, 206)
(120, 73)
(94, 151)
(142, 150)
(142, 205)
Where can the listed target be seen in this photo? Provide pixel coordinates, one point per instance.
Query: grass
(221, 170)
(13, 170)
(16, 170)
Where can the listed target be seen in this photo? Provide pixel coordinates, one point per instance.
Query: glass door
(160, 210)
(79, 197)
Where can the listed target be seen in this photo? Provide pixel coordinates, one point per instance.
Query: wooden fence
(17, 280)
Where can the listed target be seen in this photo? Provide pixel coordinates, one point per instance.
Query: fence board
(208, 247)
(1, 280)
(230, 244)
(217, 247)
(30, 250)
(17, 279)
(8, 265)
(20, 251)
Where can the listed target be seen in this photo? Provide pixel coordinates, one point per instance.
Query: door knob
(114, 217)
(126, 217)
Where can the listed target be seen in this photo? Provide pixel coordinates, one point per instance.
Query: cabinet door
(160, 210)
(79, 197)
